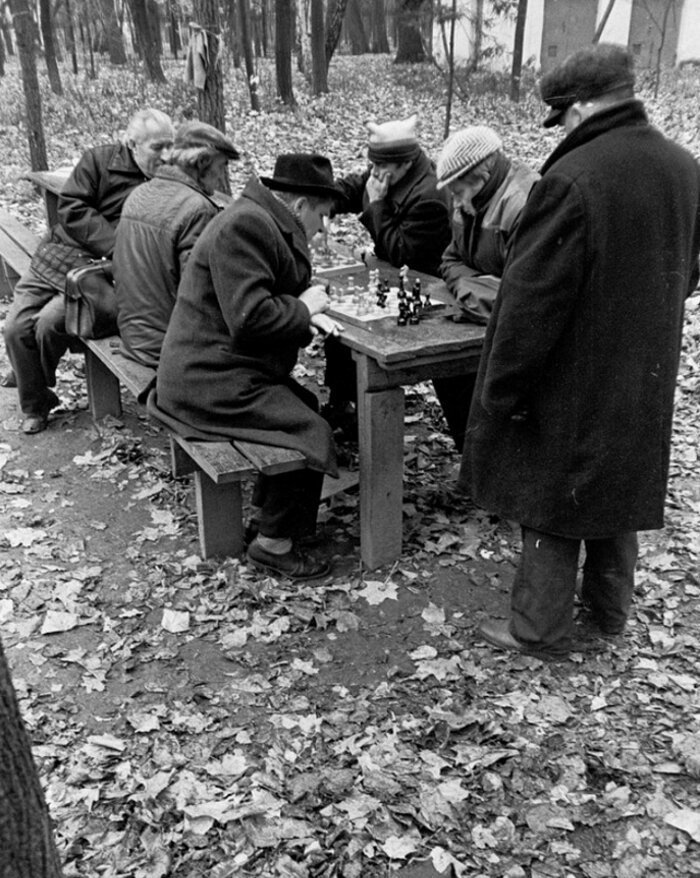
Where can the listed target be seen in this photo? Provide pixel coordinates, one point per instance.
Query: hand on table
(326, 325)
(316, 298)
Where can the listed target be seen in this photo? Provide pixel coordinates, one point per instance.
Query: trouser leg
(455, 396)
(288, 503)
(608, 579)
(340, 376)
(33, 348)
(542, 597)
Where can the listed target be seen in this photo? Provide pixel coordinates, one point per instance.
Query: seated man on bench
(245, 306)
(160, 223)
(89, 207)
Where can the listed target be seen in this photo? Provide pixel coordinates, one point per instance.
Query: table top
(395, 346)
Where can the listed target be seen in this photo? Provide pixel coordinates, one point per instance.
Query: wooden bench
(219, 468)
(17, 244)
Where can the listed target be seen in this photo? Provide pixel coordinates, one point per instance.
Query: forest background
(191, 718)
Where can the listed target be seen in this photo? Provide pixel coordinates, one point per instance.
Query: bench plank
(269, 459)
(219, 460)
(17, 244)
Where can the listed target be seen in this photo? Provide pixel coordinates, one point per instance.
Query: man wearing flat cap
(570, 428)
(161, 221)
(245, 306)
(397, 200)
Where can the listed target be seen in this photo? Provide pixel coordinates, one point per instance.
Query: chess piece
(402, 319)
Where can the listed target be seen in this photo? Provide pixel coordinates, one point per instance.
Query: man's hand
(316, 299)
(326, 325)
(378, 185)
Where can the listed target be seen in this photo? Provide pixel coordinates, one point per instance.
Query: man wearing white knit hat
(488, 193)
(397, 200)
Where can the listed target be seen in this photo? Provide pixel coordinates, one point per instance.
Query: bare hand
(377, 187)
(315, 298)
(327, 325)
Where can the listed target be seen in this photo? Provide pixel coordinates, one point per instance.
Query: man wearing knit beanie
(488, 193)
(397, 200)
(569, 433)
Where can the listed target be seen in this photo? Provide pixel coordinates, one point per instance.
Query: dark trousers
(542, 596)
(288, 503)
(35, 338)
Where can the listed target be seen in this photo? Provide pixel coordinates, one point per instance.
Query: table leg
(380, 421)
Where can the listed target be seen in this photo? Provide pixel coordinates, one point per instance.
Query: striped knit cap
(463, 150)
(395, 141)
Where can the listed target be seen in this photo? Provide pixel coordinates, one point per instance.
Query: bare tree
(243, 15)
(49, 46)
(379, 42)
(334, 23)
(27, 848)
(319, 71)
(410, 49)
(148, 39)
(24, 32)
(603, 21)
(284, 24)
(516, 70)
(359, 44)
(661, 23)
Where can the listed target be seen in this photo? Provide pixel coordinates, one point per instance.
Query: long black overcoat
(585, 335)
(235, 333)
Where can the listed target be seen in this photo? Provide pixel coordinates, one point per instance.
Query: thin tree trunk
(49, 47)
(264, 27)
(2, 56)
(334, 23)
(283, 50)
(7, 33)
(27, 848)
(478, 36)
(210, 99)
(24, 33)
(70, 38)
(517, 68)
(451, 70)
(319, 71)
(603, 21)
(248, 56)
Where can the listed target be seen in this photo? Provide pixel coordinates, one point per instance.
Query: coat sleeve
(543, 278)
(246, 266)
(196, 222)
(408, 236)
(77, 209)
(457, 276)
(353, 188)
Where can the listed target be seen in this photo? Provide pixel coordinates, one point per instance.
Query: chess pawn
(416, 288)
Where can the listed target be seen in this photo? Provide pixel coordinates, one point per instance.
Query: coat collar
(176, 174)
(630, 113)
(421, 168)
(122, 161)
(289, 227)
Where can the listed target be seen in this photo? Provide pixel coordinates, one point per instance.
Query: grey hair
(138, 123)
(188, 157)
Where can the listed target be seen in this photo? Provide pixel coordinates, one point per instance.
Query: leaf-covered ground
(193, 718)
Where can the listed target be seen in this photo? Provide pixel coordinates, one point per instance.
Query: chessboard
(363, 303)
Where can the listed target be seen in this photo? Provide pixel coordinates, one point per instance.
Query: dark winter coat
(235, 333)
(480, 242)
(89, 208)
(570, 428)
(411, 225)
(159, 226)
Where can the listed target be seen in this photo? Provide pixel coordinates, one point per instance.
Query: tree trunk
(233, 33)
(27, 848)
(49, 47)
(173, 28)
(359, 44)
(248, 56)
(70, 38)
(210, 99)
(7, 34)
(2, 56)
(24, 33)
(115, 40)
(283, 50)
(410, 42)
(517, 68)
(379, 42)
(451, 69)
(334, 23)
(478, 31)
(147, 40)
(319, 71)
(264, 27)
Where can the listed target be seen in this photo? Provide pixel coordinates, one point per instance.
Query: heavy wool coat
(235, 333)
(411, 225)
(160, 224)
(584, 341)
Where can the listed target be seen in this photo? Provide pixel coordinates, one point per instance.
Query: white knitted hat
(463, 150)
(396, 140)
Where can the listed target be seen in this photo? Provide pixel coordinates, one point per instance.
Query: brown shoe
(293, 564)
(498, 634)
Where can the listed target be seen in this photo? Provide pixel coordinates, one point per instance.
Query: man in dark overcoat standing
(245, 306)
(570, 429)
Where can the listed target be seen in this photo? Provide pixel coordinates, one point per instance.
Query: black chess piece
(414, 313)
(402, 319)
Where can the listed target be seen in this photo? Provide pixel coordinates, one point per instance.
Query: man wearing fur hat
(397, 200)
(160, 222)
(245, 306)
(488, 193)
(570, 427)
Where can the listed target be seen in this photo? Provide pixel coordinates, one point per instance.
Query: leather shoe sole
(498, 634)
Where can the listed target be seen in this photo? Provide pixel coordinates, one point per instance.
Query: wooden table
(387, 358)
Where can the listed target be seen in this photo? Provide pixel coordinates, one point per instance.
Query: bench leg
(102, 387)
(181, 464)
(219, 516)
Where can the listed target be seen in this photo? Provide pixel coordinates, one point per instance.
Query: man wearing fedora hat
(570, 427)
(160, 222)
(245, 306)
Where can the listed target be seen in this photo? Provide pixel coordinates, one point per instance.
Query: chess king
(397, 200)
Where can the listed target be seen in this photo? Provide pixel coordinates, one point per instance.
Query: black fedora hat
(305, 173)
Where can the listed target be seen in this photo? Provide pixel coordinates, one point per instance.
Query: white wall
(689, 36)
